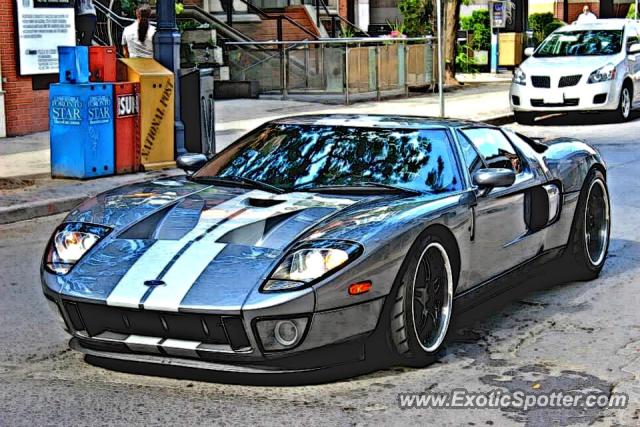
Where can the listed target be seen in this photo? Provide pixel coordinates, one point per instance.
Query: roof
(375, 121)
(600, 24)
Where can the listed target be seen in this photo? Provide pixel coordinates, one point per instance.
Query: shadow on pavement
(547, 276)
(581, 119)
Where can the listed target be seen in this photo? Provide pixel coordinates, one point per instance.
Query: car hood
(566, 65)
(208, 247)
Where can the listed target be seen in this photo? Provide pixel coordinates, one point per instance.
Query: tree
(451, 17)
(419, 16)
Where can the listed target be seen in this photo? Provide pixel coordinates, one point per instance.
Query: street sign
(498, 13)
(43, 25)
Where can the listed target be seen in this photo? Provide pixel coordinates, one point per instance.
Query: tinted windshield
(581, 43)
(303, 156)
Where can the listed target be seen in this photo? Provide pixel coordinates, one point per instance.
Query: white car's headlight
(310, 262)
(603, 74)
(519, 77)
(69, 243)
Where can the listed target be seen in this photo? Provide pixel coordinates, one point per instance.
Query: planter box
(199, 36)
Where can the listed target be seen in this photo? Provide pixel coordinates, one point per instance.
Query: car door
(501, 238)
(633, 61)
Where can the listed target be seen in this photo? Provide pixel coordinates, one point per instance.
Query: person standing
(85, 21)
(586, 15)
(137, 38)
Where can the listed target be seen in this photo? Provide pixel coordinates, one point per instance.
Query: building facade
(26, 99)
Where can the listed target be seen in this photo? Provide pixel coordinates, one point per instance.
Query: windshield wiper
(234, 179)
(393, 187)
(343, 187)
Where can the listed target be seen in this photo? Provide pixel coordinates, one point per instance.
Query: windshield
(294, 157)
(581, 43)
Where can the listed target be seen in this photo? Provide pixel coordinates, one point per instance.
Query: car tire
(588, 244)
(623, 113)
(432, 255)
(524, 118)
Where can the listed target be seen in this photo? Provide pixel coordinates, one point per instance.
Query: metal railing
(109, 26)
(336, 69)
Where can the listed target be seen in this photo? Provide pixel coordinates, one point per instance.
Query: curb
(48, 207)
(45, 207)
(40, 208)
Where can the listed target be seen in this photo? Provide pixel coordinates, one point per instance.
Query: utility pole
(167, 52)
(440, 56)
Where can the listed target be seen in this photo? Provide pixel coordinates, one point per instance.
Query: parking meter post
(167, 52)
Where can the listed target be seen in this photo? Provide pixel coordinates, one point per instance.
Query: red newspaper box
(102, 63)
(127, 123)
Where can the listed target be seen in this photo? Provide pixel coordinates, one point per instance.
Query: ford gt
(297, 245)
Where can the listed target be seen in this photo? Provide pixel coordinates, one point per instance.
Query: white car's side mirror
(529, 51)
(634, 48)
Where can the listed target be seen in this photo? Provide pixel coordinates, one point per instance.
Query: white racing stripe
(186, 270)
(131, 288)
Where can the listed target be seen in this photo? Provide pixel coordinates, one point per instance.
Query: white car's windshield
(581, 43)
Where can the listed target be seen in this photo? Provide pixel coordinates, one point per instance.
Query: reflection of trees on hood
(297, 155)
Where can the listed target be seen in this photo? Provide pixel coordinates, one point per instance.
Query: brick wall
(267, 29)
(27, 111)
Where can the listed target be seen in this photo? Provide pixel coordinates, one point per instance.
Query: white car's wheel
(624, 105)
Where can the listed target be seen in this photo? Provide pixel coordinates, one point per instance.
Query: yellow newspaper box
(156, 110)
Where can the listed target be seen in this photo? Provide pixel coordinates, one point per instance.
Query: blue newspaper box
(81, 129)
(73, 64)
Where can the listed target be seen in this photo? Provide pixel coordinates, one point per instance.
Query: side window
(495, 148)
(471, 157)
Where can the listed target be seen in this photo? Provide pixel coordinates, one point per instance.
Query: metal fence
(335, 69)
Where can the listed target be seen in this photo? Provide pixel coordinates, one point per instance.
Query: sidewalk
(27, 191)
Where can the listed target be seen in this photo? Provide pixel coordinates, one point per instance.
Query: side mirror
(529, 51)
(191, 162)
(494, 177)
(634, 48)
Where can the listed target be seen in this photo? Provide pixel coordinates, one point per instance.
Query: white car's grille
(541, 81)
(566, 81)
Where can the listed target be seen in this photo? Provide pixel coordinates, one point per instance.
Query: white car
(593, 66)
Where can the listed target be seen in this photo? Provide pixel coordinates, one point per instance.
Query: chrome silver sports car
(298, 244)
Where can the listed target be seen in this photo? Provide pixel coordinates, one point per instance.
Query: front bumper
(582, 97)
(232, 342)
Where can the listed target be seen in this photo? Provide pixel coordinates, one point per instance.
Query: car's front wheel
(423, 302)
(623, 113)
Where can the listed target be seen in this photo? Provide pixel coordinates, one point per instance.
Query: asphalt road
(571, 336)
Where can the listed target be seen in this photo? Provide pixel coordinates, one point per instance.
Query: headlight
(519, 77)
(310, 262)
(603, 74)
(69, 243)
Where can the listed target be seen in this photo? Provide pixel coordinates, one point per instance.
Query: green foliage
(552, 26)
(416, 17)
(540, 24)
(187, 24)
(129, 7)
(478, 24)
(465, 64)
(632, 12)
(346, 32)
